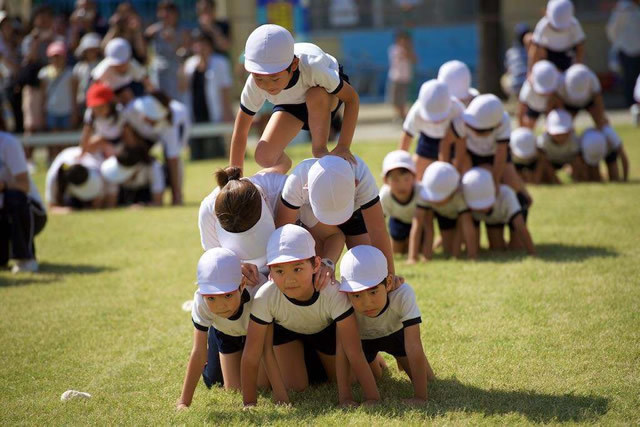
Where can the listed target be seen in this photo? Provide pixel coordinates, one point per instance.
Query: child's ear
(389, 282)
(317, 262)
(294, 64)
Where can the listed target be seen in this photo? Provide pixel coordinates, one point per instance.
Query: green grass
(512, 339)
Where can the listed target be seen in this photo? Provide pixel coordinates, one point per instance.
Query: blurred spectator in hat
(515, 60)
(402, 59)
(11, 59)
(126, 23)
(623, 30)
(219, 31)
(88, 55)
(55, 80)
(83, 20)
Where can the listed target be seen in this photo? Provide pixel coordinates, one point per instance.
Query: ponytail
(238, 206)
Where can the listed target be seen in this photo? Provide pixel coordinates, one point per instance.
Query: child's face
(224, 305)
(369, 302)
(295, 279)
(275, 83)
(400, 181)
(92, 54)
(560, 138)
(101, 110)
(58, 61)
(121, 69)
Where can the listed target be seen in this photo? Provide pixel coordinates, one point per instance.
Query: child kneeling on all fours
(389, 321)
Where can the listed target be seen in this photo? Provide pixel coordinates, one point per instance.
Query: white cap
(290, 243)
(439, 181)
(250, 245)
(434, 101)
(398, 159)
(150, 107)
(332, 188)
(269, 50)
(114, 172)
(523, 143)
(484, 112)
(219, 272)
(594, 146)
(545, 77)
(578, 81)
(88, 41)
(560, 13)
(90, 189)
(117, 51)
(362, 267)
(457, 76)
(559, 122)
(478, 189)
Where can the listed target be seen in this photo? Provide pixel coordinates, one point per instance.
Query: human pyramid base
(270, 312)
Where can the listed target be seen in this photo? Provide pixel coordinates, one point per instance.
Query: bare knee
(264, 156)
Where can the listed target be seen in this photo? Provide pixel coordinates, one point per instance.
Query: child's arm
(444, 153)
(405, 142)
(345, 395)
(349, 337)
(197, 361)
(285, 215)
(415, 236)
(331, 240)
(253, 349)
(625, 163)
(374, 220)
(278, 390)
(427, 241)
(523, 233)
(499, 163)
(469, 232)
(239, 139)
(351, 100)
(580, 53)
(417, 361)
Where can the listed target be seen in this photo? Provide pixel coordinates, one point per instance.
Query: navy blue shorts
(573, 109)
(323, 341)
(531, 113)
(561, 59)
(520, 167)
(392, 344)
(445, 223)
(477, 160)
(355, 225)
(398, 230)
(428, 147)
(228, 344)
(612, 157)
(558, 165)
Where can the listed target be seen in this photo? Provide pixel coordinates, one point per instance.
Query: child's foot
(25, 266)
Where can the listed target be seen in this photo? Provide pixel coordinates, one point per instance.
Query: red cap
(99, 94)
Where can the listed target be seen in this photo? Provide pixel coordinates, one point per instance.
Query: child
(441, 196)
(399, 196)
(306, 86)
(558, 37)
(537, 94)
(88, 55)
(388, 321)
(431, 116)
(103, 121)
(457, 76)
(120, 71)
(402, 58)
(496, 209)
(593, 150)
(557, 147)
(55, 81)
(222, 301)
(300, 314)
(524, 153)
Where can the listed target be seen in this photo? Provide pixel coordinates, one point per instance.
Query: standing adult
(623, 31)
(218, 30)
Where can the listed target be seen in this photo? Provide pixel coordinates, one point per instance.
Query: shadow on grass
(50, 273)
(550, 252)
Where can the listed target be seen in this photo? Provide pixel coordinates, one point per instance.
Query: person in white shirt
(623, 31)
(596, 147)
(88, 55)
(557, 146)
(537, 95)
(307, 87)
(558, 37)
(402, 59)
(457, 76)
(388, 321)
(432, 117)
(22, 215)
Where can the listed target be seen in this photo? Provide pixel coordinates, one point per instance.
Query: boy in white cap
(496, 209)
(120, 71)
(441, 196)
(558, 36)
(222, 301)
(301, 314)
(330, 195)
(307, 87)
(388, 321)
(593, 150)
(399, 196)
(431, 117)
(524, 153)
(457, 76)
(537, 93)
(558, 146)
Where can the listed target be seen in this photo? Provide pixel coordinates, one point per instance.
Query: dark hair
(402, 171)
(132, 155)
(69, 174)
(239, 204)
(201, 36)
(168, 5)
(165, 100)
(402, 34)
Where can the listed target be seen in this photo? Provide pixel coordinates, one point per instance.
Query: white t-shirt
(106, 74)
(559, 41)
(109, 128)
(400, 67)
(401, 311)
(504, 209)
(13, 162)
(237, 324)
(295, 193)
(486, 145)
(573, 101)
(147, 175)
(217, 77)
(316, 68)
(414, 123)
(82, 73)
(59, 100)
(304, 317)
(535, 101)
(559, 153)
(400, 211)
(451, 209)
(69, 156)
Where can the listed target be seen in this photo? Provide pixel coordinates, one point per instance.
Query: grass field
(512, 339)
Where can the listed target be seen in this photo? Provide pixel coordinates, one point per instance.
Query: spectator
(515, 61)
(88, 55)
(623, 30)
(40, 35)
(22, 215)
(10, 58)
(126, 23)
(85, 19)
(55, 81)
(402, 58)
(219, 31)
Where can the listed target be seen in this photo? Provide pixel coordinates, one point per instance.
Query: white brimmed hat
(559, 122)
(478, 189)
(219, 272)
(439, 181)
(361, 268)
(594, 146)
(250, 245)
(90, 189)
(457, 76)
(484, 112)
(117, 51)
(398, 159)
(332, 187)
(545, 77)
(523, 143)
(88, 41)
(290, 243)
(560, 13)
(150, 107)
(578, 82)
(269, 50)
(114, 172)
(434, 101)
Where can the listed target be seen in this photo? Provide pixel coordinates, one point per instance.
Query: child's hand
(181, 406)
(415, 401)
(345, 153)
(250, 274)
(325, 276)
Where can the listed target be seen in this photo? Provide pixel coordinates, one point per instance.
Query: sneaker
(25, 266)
